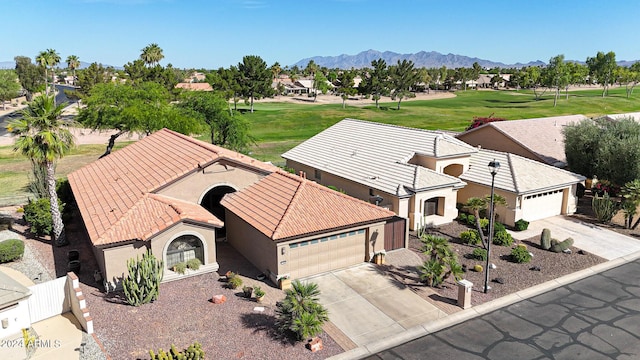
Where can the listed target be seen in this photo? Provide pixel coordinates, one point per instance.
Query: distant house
(14, 306)
(194, 86)
(540, 139)
(421, 175)
(195, 77)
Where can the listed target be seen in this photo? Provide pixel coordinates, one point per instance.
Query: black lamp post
(494, 166)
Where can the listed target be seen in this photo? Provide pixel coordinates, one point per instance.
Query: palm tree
(73, 62)
(48, 59)
(151, 54)
(300, 311)
(43, 137)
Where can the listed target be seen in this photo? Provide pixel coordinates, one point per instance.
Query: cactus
(142, 285)
(560, 246)
(193, 352)
(477, 268)
(545, 239)
(604, 208)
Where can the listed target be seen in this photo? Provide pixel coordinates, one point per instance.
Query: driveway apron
(368, 306)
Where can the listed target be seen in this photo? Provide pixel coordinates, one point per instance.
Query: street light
(494, 166)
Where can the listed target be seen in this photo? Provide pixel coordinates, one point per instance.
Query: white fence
(48, 299)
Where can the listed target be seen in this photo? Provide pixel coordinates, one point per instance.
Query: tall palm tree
(48, 59)
(44, 137)
(151, 54)
(73, 62)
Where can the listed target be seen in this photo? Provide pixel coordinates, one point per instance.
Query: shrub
(560, 246)
(520, 255)
(502, 238)
(194, 352)
(479, 254)
(194, 264)
(38, 215)
(258, 292)
(65, 194)
(484, 223)
(462, 218)
(235, 281)
(300, 312)
(545, 239)
(6, 222)
(142, 285)
(471, 237)
(604, 207)
(478, 268)
(180, 268)
(11, 250)
(498, 227)
(471, 220)
(521, 225)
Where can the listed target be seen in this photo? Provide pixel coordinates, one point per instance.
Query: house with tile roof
(14, 306)
(176, 196)
(288, 226)
(421, 175)
(194, 86)
(539, 139)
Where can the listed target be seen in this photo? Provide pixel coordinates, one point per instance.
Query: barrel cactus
(560, 246)
(545, 239)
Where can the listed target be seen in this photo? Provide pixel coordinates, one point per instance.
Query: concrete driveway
(594, 239)
(368, 306)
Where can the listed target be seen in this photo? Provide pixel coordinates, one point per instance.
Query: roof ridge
(392, 125)
(513, 173)
(294, 199)
(122, 218)
(196, 142)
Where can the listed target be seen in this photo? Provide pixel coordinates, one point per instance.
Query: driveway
(594, 239)
(368, 306)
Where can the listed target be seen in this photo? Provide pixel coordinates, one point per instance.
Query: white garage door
(324, 254)
(542, 205)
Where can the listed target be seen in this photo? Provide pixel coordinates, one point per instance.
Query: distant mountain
(426, 59)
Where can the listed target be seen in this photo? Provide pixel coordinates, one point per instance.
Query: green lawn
(280, 126)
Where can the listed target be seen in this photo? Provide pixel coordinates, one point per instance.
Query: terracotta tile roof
(194, 86)
(107, 189)
(282, 205)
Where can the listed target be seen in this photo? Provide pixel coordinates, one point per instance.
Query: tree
(476, 204)
(151, 54)
(226, 82)
(311, 68)
(9, 86)
(602, 68)
(73, 62)
(629, 77)
(463, 74)
(320, 84)
(557, 76)
(225, 129)
(30, 75)
(276, 69)
(607, 149)
(91, 76)
(43, 137)
(255, 78)
(48, 59)
(127, 108)
(300, 312)
(403, 77)
(346, 89)
(376, 81)
(631, 200)
(440, 257)
(578, 74)
(532, 79)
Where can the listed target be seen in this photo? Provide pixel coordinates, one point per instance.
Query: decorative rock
(492, 266)
(567, 251)
(258, 309)
(530, 253)
(498, 280)
(315, 344)
(535, 268)
(219, 299)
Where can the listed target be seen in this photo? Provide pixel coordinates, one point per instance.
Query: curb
(473, 312)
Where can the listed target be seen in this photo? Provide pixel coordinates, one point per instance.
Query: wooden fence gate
(395, 233)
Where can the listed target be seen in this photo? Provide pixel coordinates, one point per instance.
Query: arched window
(434, 206)
(183, 249)
(454, 170)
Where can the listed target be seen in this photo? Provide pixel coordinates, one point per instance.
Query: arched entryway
(183, 249)
(211, 202)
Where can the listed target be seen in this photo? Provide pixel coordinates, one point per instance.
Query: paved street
(594, 318)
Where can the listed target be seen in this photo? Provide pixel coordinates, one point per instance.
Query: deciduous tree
(556, 76)
(602, 68)
(346, 88)
(9, 86)
(31, 76)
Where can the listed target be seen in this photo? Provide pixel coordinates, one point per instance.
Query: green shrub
(462, 218)
(498, 227)
(520, 255)
(11, 250)
(471, 237)
(471, 220)
(38, 215)
(194, 264)
(521, 225)
(235, 282)
(65, 195)
(479, 254)
(484, 223)
(193, 352)
(258, 292)
(180, 267)
(502, 238)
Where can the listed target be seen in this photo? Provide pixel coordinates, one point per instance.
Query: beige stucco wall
(489, 138)
(507, 215)
(570, 201)
(161, 241)
(115, 260)
(447, 207)
(193, 187)
(438, 165)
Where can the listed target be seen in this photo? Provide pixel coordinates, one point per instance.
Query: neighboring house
(288, 226)
(412, 172)
(194, 86)
(162, 194)
(195, 77)
(421, 175)
(165, 194)
(533, 190)
(14, 306)
(633, 115)
(538, 139)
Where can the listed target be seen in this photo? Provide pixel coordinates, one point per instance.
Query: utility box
(464, 293)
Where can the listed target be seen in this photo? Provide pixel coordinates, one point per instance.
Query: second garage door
(542, 205)
(328, 253)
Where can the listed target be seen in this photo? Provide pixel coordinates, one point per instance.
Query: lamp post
(494, 166)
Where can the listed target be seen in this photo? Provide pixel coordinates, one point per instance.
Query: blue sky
(214, 33)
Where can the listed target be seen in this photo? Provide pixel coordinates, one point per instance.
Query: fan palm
(300, 311)
(48, 59)
(44, 137)
(73, 62)
(151, 54)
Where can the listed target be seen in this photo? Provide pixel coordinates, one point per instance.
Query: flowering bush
(605, 186)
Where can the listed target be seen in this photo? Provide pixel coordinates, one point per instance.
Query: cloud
(254, 4)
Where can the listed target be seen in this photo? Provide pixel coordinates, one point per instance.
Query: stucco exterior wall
(17, 317)
(161, 241)
(438, 165)
(507, 215)
(446, 207)
(194, 186)
(115, 260)
(489, 138)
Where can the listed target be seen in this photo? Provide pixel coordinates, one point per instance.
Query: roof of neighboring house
(305, 83)
(114, 192)
(542, 136)
(377, 155)
(11, 291)
(195, 86)
(283, 206)
(633, 115)
(517, 174)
